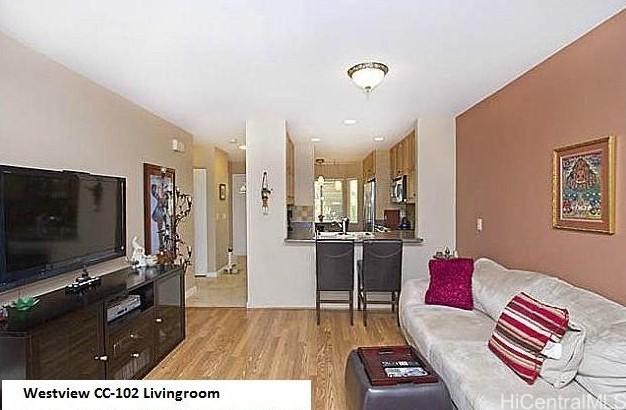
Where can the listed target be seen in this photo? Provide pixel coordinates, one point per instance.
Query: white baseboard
(206, 275)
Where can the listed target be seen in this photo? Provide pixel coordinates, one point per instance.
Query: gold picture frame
(583, 186)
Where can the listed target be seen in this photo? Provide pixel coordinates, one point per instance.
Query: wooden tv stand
(66, 336)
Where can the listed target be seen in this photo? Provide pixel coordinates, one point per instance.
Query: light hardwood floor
(226, 290)
(230, 343)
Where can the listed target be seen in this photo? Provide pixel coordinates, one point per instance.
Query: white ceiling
(207, 66)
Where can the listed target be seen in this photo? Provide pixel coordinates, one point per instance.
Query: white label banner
(156, 394)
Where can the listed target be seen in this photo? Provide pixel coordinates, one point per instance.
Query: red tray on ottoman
(374, 359)
(369, 386)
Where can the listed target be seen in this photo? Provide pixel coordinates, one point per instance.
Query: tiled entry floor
(225, 290)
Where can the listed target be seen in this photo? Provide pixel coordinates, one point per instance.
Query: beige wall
(53, 118)
(238, 167)
(504, 152)
(219, 213)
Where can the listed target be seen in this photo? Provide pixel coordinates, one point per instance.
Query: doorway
(220, 231)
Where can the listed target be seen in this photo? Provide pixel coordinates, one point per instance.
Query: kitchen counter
(305, 236)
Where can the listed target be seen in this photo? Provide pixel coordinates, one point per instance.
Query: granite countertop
(305, 236)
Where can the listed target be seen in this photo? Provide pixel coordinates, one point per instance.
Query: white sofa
(455, 343)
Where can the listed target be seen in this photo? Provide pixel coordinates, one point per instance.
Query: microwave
(398, 189)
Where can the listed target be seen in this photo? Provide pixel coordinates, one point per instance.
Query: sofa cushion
(479, 380)
(587, 309)
(561, 371)
(451, 283)
(591, 312)
(494, 286)
(603, 371)
(429, 325)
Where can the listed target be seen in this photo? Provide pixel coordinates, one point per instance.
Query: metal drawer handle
(158, 320)
(134, 355)
(102, 358)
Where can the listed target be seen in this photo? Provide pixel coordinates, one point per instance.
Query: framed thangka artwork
(583, 192)
(159, 186)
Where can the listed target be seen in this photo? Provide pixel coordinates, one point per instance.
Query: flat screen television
(52, 222)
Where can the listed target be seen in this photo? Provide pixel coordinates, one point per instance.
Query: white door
(240, 230)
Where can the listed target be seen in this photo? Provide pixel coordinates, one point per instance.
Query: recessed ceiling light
(379, 139)
(242, 146)
(349, 122)
(315, 139)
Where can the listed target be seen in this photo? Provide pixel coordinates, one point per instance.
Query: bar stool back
(380, 271)
(334, 261)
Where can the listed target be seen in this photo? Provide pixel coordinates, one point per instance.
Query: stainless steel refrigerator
(369, 205)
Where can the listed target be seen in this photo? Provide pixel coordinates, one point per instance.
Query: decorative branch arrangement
(173, 248)
(265, 194)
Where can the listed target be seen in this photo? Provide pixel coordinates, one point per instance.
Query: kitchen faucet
(344, 223)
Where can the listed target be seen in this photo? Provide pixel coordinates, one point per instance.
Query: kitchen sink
(349, 236)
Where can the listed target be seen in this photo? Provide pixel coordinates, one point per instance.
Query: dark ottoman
(361, 395)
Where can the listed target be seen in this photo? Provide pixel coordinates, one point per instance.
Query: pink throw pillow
(451, 283)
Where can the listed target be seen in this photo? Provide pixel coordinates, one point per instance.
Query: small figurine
(139, 254)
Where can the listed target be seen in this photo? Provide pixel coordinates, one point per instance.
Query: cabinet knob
(134, 336)
(134, 355)
(102, 358)
(158, 320)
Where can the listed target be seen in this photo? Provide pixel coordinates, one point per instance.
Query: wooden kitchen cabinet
(402, 157)
(409, 148)
(291, 170)
(393, 161)
(369, 166)
(411, 195)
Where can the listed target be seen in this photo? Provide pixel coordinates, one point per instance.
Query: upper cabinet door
(170, 313)
(410, 153)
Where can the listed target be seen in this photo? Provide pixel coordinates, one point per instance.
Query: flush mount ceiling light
(315, 139)
(368, 75)
(379, 139)
(349, 122)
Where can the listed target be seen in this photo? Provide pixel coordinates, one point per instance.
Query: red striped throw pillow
(523, 330)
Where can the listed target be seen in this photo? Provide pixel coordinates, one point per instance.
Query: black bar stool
(380, 271)
(334, 262)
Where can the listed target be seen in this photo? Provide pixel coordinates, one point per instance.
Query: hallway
(226, 290)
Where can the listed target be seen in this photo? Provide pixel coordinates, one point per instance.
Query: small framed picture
(583, 187)
(222, 191)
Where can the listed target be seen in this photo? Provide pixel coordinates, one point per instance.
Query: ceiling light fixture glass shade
(368, 75)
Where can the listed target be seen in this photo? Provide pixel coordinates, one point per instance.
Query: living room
(517, 111)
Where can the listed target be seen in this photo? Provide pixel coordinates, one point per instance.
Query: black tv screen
(52, 222)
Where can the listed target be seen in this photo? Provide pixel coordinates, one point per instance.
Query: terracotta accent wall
(504, 160)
